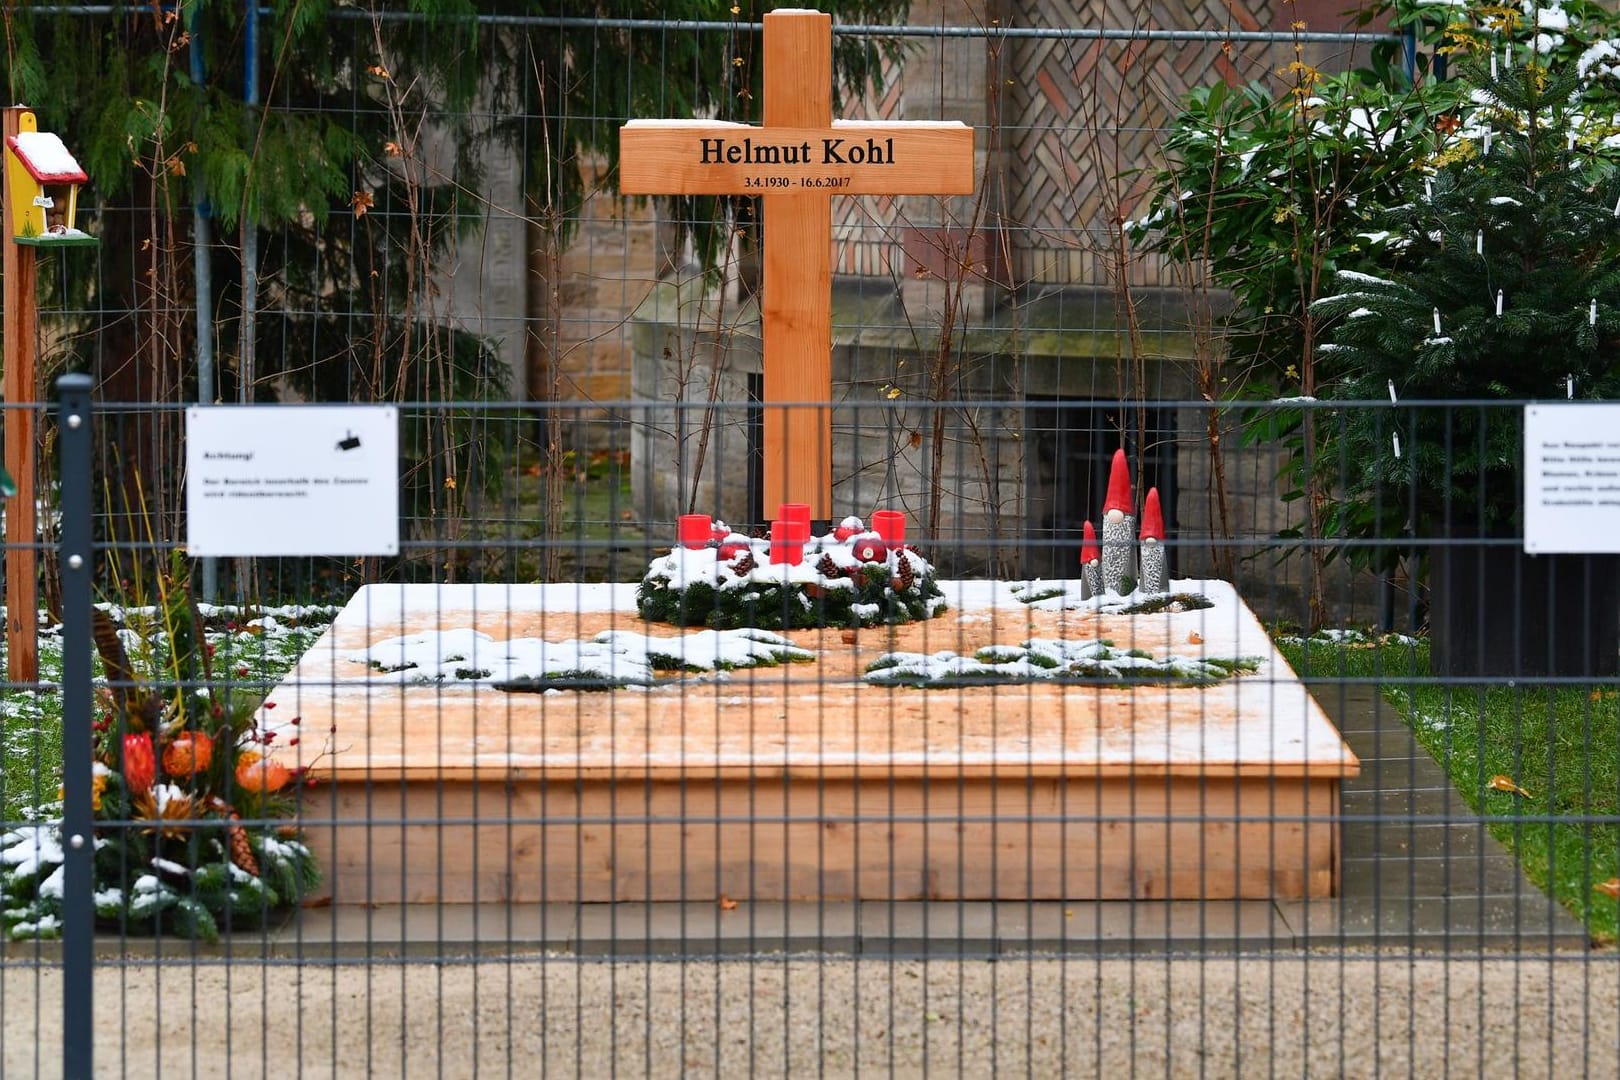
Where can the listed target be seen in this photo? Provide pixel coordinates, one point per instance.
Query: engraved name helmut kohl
(870, 151)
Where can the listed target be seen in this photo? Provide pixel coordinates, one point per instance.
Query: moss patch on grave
(1127, 603)
(611, 659)
(1153, 605)
(1051, 661)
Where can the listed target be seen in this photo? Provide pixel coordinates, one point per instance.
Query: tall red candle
(695, 531)
(891, 526)
(787, 541)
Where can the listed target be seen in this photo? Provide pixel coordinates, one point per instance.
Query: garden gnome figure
(1155, 566)
(1119, 526)
(1090, 561)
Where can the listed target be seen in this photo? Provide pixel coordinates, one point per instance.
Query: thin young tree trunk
(541, 372)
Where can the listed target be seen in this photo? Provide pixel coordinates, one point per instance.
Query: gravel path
(1318, 1015)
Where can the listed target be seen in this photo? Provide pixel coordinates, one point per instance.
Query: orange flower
(140, 763)
(98, 784)
(188, 755)
(260, 775)
(170, 810)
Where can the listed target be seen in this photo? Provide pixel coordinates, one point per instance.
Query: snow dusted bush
(1341, 209)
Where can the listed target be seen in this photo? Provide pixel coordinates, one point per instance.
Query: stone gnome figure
(1155, 577)
(1119, 559)
(1118, 527)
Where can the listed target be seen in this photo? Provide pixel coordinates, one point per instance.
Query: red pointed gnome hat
(1152, 517)
(1089, 551)
(1119, 486)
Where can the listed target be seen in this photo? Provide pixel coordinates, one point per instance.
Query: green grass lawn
(1561, 746)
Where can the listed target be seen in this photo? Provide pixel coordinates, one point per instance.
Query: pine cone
(828, 567)
(241, 850)
(236, 837)
(904, 575)
(744, 564)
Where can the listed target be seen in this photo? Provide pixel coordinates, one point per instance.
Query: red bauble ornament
(732, 549)
(140, 763)
(849, 527)
(870, 549)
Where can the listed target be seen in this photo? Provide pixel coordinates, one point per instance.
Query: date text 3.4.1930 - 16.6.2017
(784, 183)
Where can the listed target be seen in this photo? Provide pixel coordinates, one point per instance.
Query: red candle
(891, 525)
(787, 551)
(796, 512)
(695, 531)
(787, 541)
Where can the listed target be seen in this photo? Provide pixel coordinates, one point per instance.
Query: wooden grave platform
(801, 781)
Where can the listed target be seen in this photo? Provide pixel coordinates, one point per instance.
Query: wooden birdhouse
(42, 188)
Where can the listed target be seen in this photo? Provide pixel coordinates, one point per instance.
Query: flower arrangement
(192, 831)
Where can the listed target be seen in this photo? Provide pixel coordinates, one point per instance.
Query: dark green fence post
(78, 825)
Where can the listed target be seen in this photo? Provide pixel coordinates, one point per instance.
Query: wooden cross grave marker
(794, 162)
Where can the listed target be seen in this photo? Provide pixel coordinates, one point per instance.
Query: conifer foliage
(1505, 286)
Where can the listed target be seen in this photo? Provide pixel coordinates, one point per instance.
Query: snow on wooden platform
(803, 780)
(814, 719)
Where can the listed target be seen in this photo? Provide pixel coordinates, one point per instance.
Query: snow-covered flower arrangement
(186, 796)
(849, 577)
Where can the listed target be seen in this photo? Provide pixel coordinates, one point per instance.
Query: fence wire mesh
(1300, 763)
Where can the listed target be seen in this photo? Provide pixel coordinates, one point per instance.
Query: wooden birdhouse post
(40, 209)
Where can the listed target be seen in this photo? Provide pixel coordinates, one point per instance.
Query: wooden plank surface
(817, 720)
(659, 157)
(796, 315)
(1170, 838)
(802, 782)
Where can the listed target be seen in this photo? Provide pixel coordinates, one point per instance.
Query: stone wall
(608, 268)
(612, 260)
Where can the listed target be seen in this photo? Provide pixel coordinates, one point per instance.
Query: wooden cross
(794, 162)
